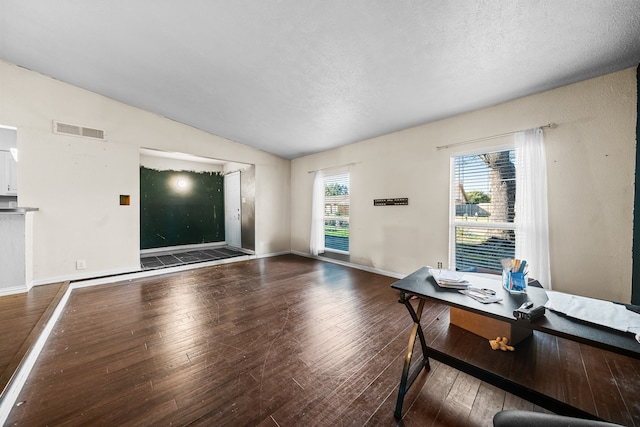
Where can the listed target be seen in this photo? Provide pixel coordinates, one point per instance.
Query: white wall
(76, 182)
(234, 167)
(591, 163)
(164, 163)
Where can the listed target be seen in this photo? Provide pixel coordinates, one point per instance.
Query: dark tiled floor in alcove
(175, 258)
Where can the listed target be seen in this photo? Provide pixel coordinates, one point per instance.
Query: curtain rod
(549, 125)
(333, 167)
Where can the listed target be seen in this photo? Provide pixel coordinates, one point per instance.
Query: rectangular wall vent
(75, 130)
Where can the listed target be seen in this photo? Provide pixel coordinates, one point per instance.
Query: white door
(232, 213)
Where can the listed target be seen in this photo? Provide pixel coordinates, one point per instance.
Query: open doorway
(183, 211)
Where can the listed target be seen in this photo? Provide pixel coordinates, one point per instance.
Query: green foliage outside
(337, 232)
(336, 189)
(477, 248)
(475, 197)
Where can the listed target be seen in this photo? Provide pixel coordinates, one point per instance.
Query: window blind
(336, 212)
(483, 215)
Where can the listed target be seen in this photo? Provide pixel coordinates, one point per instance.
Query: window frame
(453, 224)
(329, 218)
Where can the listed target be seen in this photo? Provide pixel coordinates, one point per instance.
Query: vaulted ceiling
(295, 77)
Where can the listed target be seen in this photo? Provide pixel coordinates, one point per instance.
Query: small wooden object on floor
(487, 327)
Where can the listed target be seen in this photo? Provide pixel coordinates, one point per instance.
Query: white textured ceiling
(294, 77)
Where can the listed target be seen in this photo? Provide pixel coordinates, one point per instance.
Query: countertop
(16, 211)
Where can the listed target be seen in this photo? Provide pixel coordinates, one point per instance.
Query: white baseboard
(14, 290)
(86, 275)
(272, 254)
(349, 264)
(149, 273)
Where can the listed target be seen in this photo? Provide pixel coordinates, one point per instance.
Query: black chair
(516, 418)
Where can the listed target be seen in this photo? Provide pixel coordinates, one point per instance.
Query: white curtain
(532, 228)
(316, 242)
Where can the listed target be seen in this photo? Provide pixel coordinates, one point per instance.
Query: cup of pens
(514, 275)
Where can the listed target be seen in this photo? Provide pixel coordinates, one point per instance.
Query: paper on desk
(605, 313)
(448, 278)
(479, 295)
(448, 275)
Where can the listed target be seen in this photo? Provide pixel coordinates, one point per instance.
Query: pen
(523, 265)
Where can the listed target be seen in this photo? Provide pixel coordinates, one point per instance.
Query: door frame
(232, 198)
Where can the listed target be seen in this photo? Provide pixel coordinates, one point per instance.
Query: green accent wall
(635, 278)
(173, 216)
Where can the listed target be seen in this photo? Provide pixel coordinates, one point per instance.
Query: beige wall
(591, 161)
(163, 163)
(76, 182)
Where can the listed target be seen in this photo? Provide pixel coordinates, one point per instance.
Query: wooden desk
(422, 285)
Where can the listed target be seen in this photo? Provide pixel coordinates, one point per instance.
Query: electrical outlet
(81, 264)
(439, 264)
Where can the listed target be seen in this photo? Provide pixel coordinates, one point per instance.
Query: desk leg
(408, 377)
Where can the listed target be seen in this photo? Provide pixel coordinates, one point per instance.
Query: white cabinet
(8, 174)
(16, 250)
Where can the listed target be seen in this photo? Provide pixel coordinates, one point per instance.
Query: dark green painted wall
(635, 286)
(172, 217)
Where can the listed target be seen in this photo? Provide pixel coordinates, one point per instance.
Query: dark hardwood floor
(282, 341)
(22, 319)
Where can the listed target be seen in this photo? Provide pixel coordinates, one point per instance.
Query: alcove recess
(173, 165)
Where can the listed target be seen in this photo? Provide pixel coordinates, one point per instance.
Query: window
(336, 213)
(483, 195)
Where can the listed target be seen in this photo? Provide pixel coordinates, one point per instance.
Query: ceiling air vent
(75, 130)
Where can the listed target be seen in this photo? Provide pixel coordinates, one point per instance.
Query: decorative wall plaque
(391, 202)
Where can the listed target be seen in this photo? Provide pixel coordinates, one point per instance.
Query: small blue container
(514, 282)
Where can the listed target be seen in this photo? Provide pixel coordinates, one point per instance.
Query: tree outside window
(483, 220)
(336, 213)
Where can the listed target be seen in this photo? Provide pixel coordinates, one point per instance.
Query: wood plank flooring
(283, 341)
(22, 318)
